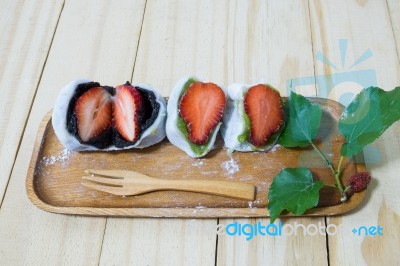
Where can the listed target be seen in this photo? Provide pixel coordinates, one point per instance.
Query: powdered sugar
(62, 157)
(230, 166)
(198, 163)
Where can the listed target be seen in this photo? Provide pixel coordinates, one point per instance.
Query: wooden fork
(129, 183)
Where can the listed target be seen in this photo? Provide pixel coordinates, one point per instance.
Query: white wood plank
(178, 38)
(97, 40)
(182, 38)
(26, 30)
(274, 45)
(366, 24)
(159, 242)
(394, 10)
(286, 249)
(174, 43)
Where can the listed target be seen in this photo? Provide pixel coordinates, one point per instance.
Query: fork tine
(112, 190)
(109, 173)
(104, 180)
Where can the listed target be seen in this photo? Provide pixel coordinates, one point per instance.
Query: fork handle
(220, 188)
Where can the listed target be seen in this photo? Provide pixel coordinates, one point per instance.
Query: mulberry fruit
(359, 181)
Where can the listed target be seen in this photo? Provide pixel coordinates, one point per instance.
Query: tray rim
(175, 212)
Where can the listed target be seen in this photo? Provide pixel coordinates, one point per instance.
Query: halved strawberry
(202, 107)
(93, 112)
(264, 108)
(127, 110)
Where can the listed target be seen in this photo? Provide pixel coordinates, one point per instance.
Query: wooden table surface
(45, 44)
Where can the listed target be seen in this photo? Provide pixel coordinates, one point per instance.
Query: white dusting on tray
(230, 166)
(62, 157)
(198, 163)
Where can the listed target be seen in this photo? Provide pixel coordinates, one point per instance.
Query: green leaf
(293, 189)
(303, 120)
(371, 112)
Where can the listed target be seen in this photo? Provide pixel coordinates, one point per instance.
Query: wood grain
(178, 38)
(356, 25)
(271, 41)
(85, 45)
(26, 30)
(159, 242)
(223, 41)
(394, 11)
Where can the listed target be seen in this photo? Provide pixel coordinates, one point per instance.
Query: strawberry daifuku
(253, 119)
(88, 116)
(195, 110)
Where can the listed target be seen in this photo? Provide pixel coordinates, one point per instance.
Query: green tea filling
(246, 131)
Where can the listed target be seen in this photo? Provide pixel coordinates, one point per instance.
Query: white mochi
(174, 134)
(234, 124)
(154, 134)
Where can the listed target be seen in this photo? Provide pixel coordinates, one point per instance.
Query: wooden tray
(54, 176)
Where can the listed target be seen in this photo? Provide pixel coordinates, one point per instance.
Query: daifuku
(195, 110)
(253, 119)
(88, 116)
